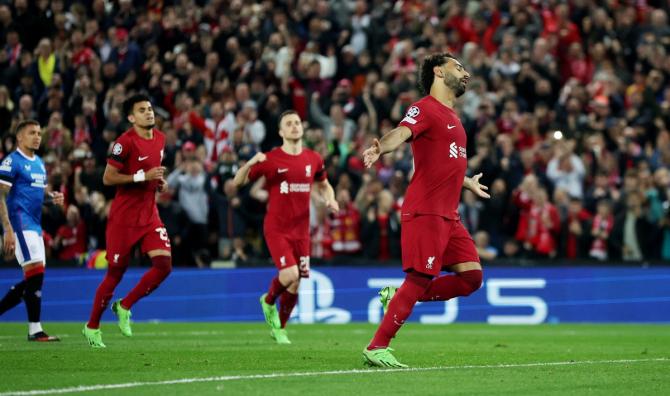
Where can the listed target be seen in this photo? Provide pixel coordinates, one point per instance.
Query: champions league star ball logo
(117, 149)
(413, 112)
(6, 165)
(410, 116)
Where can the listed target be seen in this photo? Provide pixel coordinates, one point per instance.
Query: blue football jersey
(28, 179)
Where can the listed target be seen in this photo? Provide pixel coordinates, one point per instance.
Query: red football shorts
(121, 239)
(432, 243)
(287, 252)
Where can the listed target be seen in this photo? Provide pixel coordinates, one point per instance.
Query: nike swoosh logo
(451, 126)
(142, 158)
(282, 170)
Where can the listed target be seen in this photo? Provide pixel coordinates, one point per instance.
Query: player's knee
(162, 264)
(289, 276)
(116, 272)
(472, 280)
(293, 279)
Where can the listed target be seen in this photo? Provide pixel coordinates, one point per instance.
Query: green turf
(160, 352)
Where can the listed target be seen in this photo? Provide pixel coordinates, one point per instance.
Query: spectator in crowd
(345, 225)
(633, 236)
(566, 170)
(320, 233)
(543, 226)
(222, 124)
(232, 223)
(484, 249)
(495, 216)
(175, 220)
(470, 211)
(94, 209)
(380, 229)
(71, 240)
(603, 222)
(575, 236)
(336, 119)
(189, 183)
(601, 189)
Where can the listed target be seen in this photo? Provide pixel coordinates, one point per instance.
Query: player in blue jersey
(23, 187)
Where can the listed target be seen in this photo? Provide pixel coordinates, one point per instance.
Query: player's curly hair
(129, 103)
(426, 75)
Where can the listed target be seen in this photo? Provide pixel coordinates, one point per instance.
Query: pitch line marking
(90, 388)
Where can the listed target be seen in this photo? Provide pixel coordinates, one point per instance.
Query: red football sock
(449, 286)
(287, 302)
(276, 289)
(105, 292)
(400, 308)
(161, 266)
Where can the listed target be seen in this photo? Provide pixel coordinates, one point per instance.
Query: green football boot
(93, 336)
(124, 318)
(280, 336)
(385, 296)
(381, 357)
(270, 313)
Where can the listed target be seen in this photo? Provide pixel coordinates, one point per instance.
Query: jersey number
(162, 234)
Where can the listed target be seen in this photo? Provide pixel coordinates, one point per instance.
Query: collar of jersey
(25, 156)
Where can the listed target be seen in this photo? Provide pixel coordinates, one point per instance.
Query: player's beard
(149, 126)
(33, 147)
(455, 85)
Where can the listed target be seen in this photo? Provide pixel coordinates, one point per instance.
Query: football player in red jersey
(432, 236)
(289, 172)
(134, 167)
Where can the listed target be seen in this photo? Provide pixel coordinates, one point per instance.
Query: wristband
(139, 177)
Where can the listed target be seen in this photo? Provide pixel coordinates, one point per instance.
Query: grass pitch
(241, 359)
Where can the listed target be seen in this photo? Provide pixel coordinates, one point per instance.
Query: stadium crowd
(567, 114)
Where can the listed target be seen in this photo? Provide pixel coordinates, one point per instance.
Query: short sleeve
(416, 119)
(119, 154)
(7, 171)
(258, 170)
(320, 174)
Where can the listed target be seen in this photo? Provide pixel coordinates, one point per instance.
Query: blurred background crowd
(567, 114)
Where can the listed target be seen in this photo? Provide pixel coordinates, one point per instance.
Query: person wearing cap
(126, 54)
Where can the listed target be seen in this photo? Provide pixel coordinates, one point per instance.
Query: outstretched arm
(327, 193)
(472, 184)
(388, 143)
(242, 176)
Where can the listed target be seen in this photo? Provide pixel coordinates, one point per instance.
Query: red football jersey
(288, 179)
(135, 203)
(440, 159)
